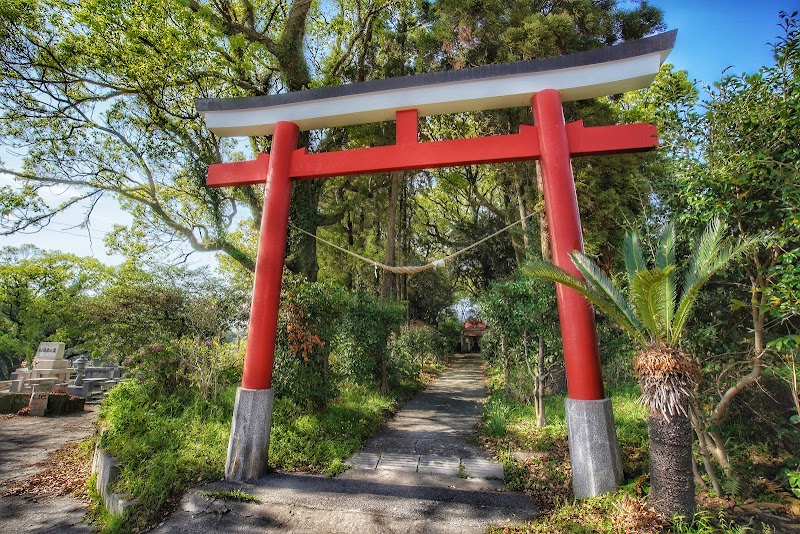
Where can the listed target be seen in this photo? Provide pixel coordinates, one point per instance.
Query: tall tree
(99, 97)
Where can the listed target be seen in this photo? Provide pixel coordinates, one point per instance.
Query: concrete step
(406, 478)
(384, 503)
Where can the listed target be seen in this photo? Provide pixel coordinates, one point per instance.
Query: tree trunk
(523, 213)
(385, 376)
(541, 419)
(671, 478)
(706, 426)
(388, 288)
(506, 366)
(302, 249)
(544, 230)
(702, 441)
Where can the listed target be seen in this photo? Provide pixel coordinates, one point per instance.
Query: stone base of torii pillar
(248, 448)
(593, 447)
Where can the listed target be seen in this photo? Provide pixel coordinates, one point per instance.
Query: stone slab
(439, 465)
(363, 460)
(593, 447)
(50, 351)
(38, 404)
(398, 462)
(292, 503)
(480, 468)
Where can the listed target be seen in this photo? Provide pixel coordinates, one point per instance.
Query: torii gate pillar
(248, 447)
(593, 446)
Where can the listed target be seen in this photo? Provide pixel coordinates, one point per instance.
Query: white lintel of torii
(605, 71)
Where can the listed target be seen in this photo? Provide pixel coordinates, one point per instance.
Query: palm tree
(653, 311)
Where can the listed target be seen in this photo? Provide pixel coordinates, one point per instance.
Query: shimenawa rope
(414, 268)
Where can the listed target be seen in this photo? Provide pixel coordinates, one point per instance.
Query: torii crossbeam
(543, 85)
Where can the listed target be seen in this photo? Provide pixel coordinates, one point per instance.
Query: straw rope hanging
(414, 268)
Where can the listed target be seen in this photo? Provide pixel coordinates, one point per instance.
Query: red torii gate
(551, 141)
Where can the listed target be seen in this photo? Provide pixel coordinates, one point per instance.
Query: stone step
(451, 466)
(417, 479)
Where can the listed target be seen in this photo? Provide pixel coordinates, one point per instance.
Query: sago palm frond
(710, 257)
(634, 260)
(650, 298)
(665, 257)
(706, 252)
(548, 271)
(602, 284)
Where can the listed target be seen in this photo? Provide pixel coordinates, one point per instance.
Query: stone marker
(38, 404)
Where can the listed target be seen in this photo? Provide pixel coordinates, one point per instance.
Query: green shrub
(164, 441)
(326, 335)
(208, 367)
(414, 347)
(451, 328)
(360, 348)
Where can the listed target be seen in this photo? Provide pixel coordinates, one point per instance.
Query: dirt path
(26, 443)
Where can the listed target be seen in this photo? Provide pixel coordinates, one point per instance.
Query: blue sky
(715, 34)
(712, 35)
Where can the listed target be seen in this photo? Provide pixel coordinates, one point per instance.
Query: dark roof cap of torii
(589, 74)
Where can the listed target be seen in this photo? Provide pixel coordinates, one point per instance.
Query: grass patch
(167, 442)
(318, 442)
(546, 476)
(231, 495)
(164, 443)
(497, 413)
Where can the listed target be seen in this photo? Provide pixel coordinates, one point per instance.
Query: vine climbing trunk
(388, 287)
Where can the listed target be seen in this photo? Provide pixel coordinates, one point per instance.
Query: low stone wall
(107, 469)
(63, 404)
(13, 402)
(57, 403)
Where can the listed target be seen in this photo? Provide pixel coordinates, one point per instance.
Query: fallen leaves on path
(65, 472)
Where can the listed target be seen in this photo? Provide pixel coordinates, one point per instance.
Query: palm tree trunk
(671, 480)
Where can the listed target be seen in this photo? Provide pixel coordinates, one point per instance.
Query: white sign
(38, 404)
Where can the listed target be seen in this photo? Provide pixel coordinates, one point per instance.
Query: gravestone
(38, 404)
(50, 356)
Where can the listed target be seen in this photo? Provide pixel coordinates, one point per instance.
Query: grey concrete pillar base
(248, 448)
(593, 447)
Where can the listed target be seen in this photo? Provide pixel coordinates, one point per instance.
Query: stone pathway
(434, 431)
(421, 473)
